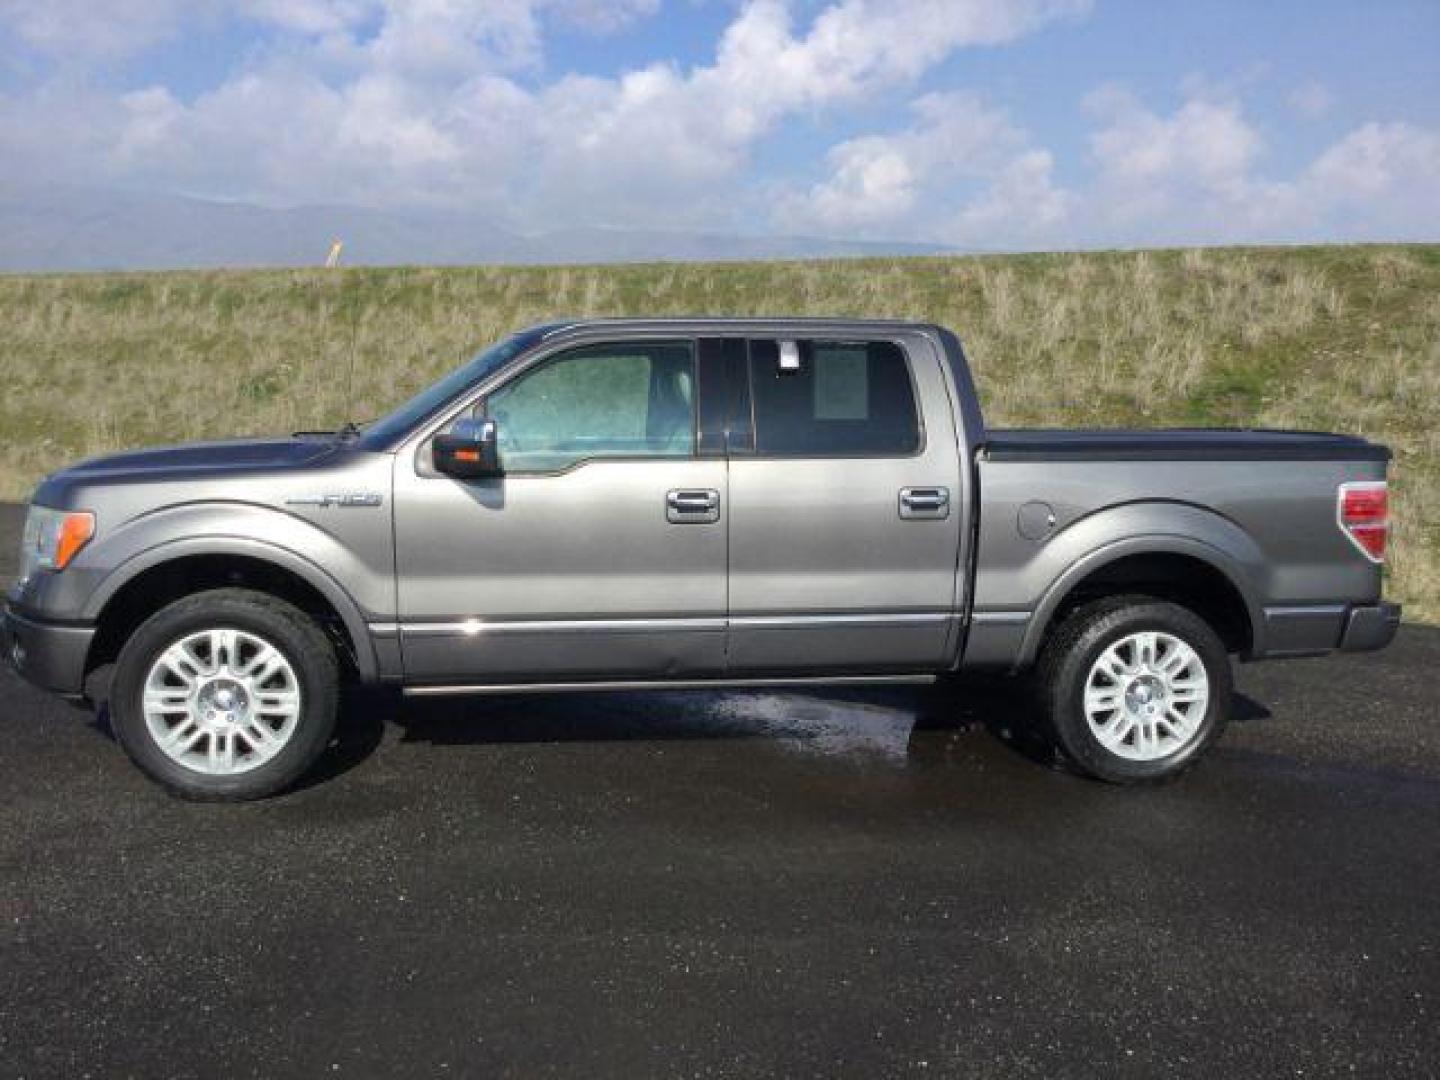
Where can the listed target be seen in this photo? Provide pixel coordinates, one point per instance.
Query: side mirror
(470, 451)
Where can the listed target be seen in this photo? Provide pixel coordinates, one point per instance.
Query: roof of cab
(732, 324)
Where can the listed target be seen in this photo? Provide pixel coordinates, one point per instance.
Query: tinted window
(849, 399)
(624, 400)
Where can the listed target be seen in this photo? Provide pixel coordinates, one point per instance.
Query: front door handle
(930, 503)
(692, 506)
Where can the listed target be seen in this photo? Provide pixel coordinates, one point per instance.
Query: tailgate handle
(929, 503)
(692, 506)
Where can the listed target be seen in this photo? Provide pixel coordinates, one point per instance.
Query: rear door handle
(692, 506)
(932, 503)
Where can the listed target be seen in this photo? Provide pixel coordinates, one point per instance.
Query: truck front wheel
(1135, 689)
(228, 694)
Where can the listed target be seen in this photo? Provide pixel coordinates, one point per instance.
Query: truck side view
(677, 503)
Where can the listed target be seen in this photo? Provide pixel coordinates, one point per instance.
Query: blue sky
(990, 124)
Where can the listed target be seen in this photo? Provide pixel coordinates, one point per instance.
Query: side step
(668, 684)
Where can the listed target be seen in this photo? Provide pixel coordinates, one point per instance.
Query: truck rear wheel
(225, 695)
(1135, 689)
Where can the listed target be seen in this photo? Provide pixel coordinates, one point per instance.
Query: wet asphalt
(751, 884)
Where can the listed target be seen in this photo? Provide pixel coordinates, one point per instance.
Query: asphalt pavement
(743, 884)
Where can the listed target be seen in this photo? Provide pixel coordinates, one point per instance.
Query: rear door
(846, 509)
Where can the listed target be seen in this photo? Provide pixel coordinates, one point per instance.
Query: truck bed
(1259, 507)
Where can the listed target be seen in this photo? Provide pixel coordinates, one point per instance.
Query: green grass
(1336, 338)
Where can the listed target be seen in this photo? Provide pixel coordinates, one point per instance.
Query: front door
(599, 554)
(846, 509)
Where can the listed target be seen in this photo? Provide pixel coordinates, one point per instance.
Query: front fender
(359, 589)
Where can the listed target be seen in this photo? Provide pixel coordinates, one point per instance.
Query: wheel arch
(162, 574)
(1187, 571)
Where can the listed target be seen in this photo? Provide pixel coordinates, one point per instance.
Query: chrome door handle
(692, 506)
(931, 503)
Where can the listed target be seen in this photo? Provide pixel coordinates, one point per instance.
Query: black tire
(1074, 647)
(294, 634)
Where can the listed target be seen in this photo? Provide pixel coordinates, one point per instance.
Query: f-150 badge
(343, 498)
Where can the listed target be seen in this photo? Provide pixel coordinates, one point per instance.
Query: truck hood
(188, 461)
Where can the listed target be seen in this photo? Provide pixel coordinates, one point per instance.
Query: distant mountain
(86, 229)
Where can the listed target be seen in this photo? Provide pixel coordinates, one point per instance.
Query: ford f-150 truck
(680, 503)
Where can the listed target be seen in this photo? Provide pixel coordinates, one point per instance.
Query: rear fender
(1146, 528)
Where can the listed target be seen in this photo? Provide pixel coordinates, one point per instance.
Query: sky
(977, 124)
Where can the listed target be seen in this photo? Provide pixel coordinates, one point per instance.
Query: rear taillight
(1364, 515)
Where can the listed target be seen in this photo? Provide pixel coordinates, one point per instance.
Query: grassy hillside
(1343, 338)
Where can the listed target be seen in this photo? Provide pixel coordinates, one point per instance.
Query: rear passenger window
(847, 399)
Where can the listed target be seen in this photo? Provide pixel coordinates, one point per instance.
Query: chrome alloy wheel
(1146, 696)
(221, 701)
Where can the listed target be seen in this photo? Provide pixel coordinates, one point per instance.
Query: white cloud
(449, 102)
(1379, 159)
(690, 132)
(874, 183)
(1205, 142)
(856, 46)
(603, 16)
(435, 101)
(310, 16)
(147, 120)
(1021, 206)
(1190, 172)
(87, 29)
(1311, 100)
(83, 29)
(1381, 179)
(964, 174)
(953, 176)
(437, 40)
(1195, 175)
(663, 138)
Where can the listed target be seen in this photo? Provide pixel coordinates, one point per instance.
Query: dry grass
(1341, 338)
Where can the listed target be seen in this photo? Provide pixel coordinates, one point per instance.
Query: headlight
(53, 538)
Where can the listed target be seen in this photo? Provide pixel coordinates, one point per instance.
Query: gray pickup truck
(691, 503)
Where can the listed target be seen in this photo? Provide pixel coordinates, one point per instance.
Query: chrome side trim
(1000, 616)
(481, 627)
(802, 622)
(384, 629)
(1305, 609)
(668, 684)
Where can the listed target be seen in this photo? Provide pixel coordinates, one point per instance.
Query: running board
(670, 684)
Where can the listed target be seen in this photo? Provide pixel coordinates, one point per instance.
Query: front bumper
(50, 655)
(1371, 627)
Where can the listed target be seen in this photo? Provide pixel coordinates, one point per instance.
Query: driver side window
(628, 399)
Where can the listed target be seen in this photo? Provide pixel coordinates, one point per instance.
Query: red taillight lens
(1364, 515)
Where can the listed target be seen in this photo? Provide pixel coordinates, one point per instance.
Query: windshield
(436, 396)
